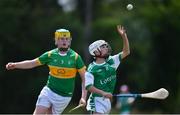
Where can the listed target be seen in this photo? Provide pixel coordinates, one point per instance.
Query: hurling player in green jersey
(63, 65)
(100, 78)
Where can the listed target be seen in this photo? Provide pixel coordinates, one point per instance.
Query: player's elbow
(88, 87)
(126, 53)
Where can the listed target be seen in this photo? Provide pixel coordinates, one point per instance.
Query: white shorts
(48, 98)
(99, 105)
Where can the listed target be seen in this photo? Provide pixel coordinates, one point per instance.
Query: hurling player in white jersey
(100, 78)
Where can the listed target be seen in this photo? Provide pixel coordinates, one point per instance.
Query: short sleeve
(89, 80)
(44, 58)
(79, 63)
(117, 60)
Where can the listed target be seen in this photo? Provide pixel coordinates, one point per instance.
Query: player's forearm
(93, 89)
(84, 91)
(27, 64)
(126, 49)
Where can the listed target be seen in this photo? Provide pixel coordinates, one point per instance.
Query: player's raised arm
(126, 49)
(27, 64)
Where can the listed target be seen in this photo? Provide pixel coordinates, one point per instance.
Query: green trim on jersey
(62, 70)
(87, 87)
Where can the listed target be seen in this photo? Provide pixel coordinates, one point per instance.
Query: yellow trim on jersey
(49, 53)
(38, 61)
(82, 69)
(76, 56)
(62, 72)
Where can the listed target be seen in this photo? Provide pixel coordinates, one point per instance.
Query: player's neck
(100, 60)
(63, 50)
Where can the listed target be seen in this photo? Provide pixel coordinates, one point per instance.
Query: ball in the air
(129, 6)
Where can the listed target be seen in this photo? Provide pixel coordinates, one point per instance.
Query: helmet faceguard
(62, 33)
(95, 47)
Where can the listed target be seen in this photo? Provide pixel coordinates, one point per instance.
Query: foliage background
(27, 30)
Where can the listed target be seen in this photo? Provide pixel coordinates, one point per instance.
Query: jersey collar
(99, 64)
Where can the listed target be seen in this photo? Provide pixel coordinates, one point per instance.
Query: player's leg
(41, 110)
(98, 105)
(49, 111)
(102, 105)
(59, 103)
(43, 104)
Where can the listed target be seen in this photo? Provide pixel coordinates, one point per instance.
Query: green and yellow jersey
(62, 70)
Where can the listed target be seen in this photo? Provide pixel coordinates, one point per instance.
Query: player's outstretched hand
(10, 66)
(121, 30)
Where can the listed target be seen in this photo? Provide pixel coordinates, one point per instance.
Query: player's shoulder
(109, 58)
(112, 57)
(53, 50)
(73, 53)
(91, 67)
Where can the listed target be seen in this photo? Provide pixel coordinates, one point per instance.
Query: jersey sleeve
(44, 58)
(89, 80)
(80, 64)
(117, 59)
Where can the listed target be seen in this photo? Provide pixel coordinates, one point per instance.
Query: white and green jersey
(62, 70)
(103, 76)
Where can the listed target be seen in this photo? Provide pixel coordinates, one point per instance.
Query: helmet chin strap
(102, 56)
(64, 49)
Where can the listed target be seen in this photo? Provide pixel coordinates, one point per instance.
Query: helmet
(62, 33)
(95, 46)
